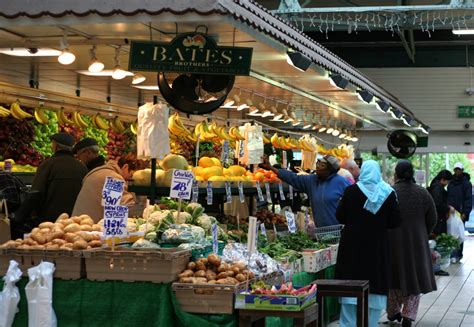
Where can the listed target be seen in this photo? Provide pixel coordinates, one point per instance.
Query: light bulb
(330, 130)
(288, 120)
(296, 123)
(355, 139)
(335, 132)
(66, 57)
(229, 103)
(322, 129)
(96, 66)
(119, 73)
(138, 78)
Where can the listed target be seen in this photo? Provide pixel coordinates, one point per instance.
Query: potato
(71, 237)
(240, 265)
(9, 245)
(221, 268)
(37, 247)
(72, 228)
(86, 228)
(19, 240)
(46, 224)
(85, 236)
(66, 247)
(96, 228)
(52, 247)
(186, 273)
(95, 244)
(230, 273)
(200, 266)
(214, 260)
(58, 241)
(63, 216)
(200, 273)
(192, 265)
(66, 222)
(30, 241)
(58, 226)
(203, 260)
(222, 275)
(213, 281)
(235, 269)
(222, 281)
(186, 279)
(232, 281)
(40, 239)
(240, 277)
(24, 247)
(80, 245)
(55, 235)
(251, 275)
(77, 220)
(210, 275)
(35, 230)
(87, 221)
(199, 280)
(95, 237)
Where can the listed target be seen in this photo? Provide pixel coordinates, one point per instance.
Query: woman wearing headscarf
(368, 209)
(410, 256)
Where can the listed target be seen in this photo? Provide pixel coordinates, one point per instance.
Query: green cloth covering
(114, 303)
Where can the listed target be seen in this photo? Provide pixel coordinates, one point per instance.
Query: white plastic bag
(39, 293)
(153, 139)
(456, 226)
(10, 296)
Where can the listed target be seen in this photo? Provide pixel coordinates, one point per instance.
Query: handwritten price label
(195, 191)
(228, 192)
(290, 219)
(241, 192)
(112, 191)
(115, 221)
(215, 244)
(209, 193)
(280, 190)
(268, 194)
(259, 192)
(181, 184)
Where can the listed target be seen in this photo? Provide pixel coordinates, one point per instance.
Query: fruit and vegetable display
(214, 270)
(66, 233)
(289, 247)
(260, 287)
(46, 125)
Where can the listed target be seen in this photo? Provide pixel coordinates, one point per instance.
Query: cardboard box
(274, 302)
(334, 250)
(157, 266)
(313, 260)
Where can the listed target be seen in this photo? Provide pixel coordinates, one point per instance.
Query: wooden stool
(345, 288)
(256, 318)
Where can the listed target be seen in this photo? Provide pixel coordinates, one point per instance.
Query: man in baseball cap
(460, 197)
(87, 152)
(58, 179)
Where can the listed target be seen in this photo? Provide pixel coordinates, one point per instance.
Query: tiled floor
(452, 305)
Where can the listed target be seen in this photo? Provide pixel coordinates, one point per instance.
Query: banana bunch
(202, 131)
(18, 113)
(40, 116)
(117, 125)
(78, 120)
(176, 127)
(134, 127)
(235, 134)
(266, 140)
(63, 119)
(280, 142)
(220, 132)
(308, 143)
(4, 112)
(99, 122)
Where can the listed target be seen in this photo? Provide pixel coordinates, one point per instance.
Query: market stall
(192, 251)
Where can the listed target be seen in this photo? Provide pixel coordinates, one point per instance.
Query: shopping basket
(329, 234)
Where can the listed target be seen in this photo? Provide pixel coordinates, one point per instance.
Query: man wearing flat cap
(87, 152)
(58, 179)
(324, 189)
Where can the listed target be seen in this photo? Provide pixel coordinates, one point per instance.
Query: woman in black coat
(368, 210)
(439, 194)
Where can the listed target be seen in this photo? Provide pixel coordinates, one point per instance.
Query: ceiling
(266, 63)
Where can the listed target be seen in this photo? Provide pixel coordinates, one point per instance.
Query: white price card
(115, 221)
(290, 220)
(241, 149)
(259, 192)
(225, 151)
(195, 191)
(228, 192)
(263, 230)
(181, 184)
(267, 192)
(241, 192)
(112, 191)
(280, 190)
(209, 193)
(215, 244)
(290, 192)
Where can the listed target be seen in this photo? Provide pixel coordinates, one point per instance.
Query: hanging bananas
(117, 125)
(101, 122)
(18, 113)
(4, 112)
(40, 116)
(134, 127)
(78, 120)
(63, 119)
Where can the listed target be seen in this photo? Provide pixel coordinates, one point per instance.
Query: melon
(211, 171)
(165, 178)
(206, 162)
(174, 161)
(142, 177)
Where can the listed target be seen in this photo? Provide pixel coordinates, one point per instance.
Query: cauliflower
(151, 236)
(206, 222)
(132, 227)
(146, 228)
(157, 216)
(149, 210)
(192, 206)
(183, 217)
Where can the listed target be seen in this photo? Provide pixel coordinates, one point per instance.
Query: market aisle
(452, 305)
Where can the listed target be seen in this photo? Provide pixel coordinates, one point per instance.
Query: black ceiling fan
(402, 143)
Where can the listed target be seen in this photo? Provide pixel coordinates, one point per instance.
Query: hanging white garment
(152, 134)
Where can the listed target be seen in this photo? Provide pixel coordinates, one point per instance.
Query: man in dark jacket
(460, 197)
(439, 194)
(87, 152)
(58, 179)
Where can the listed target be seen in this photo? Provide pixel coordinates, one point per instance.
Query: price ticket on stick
(209, 193)
(267, 192)
(215, 244)
(290, 220)
(115, 221)
(181, 184)
(112, 191)
(195, 191)
(225, 151)
(263, 230)
(259, 192)
(290, 192)
(241, 192)
(280, 190)
(228, 192)
(284, 159)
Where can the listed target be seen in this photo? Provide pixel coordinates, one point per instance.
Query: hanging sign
(267, 192)
(215, 244)
(465, 111)
(241, 192)
(280, 190)
(290, 220)
(115, 221)
(189, 53)
(263, 230)
(228, 192)
(209, 193)
(112, 191)
(225, 151)
(181, 184)
(195, 191)
(290, 192)
(259, 192)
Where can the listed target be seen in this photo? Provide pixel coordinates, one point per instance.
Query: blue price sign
(259, 192)
(228, 192)
(290, 192)
(209, 193)
(195, 191)
(112, 191)
(290, 219)
(241, 192)
(280, 190)
(263, 230)
(115, 221)
(225, 151)
(267, 191)
(181, 184)
(215, 245)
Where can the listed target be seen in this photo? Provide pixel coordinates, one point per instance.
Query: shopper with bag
(439, 194)
(460, 197)
(410, 255)
(368, 209)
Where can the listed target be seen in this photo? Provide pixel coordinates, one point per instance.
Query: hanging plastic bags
(153, 139)
(456, 226)
(10, 296)
(39, 293)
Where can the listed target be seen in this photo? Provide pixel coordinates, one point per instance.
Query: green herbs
(447, 242)
(299, 241)
(289, 247)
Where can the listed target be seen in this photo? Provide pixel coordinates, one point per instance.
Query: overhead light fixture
(119, 72)
(335, 132)
(138, 78)
(355, 139)
(322, 129)
(296, 123)
(382, 105)
(365, 95)
(243, 106)
(407, 120)
(30, 52)
(338, 81)
(66, 57)
(105, 72)
(330, 130)
(396, 114)
(463, 31)
(255, 114)
(307, 125)
(425, 128)
(95, 65)
(228, 103)
(288, 119)
(253, 110)
(298, 60)
(343, 134)
(147, 87)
